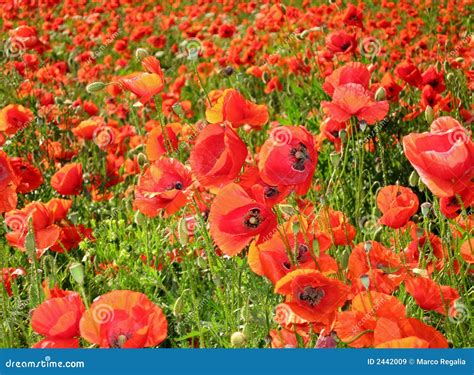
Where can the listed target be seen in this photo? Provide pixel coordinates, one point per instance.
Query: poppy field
(236, 174)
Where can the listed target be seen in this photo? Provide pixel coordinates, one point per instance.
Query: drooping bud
(429, 114)
(425, 208)
(77, 273)
(95, 87)
(141, 53)
(413, 179)
(237, 339)
(380, 94)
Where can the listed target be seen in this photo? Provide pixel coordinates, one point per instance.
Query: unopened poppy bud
(380, 94)
(446, 65)
(227, 71)
(142, 160)
(335, 158)
(367, 246)
(77, 273)
(295, 228)
(139, 218)
(413, 179)
(425, 208)
(95, 87)
(159, 54)
(237, 339)
(364, 279)
(429, 114)
(343, 135)
(450, 76)
(283, 8)
(201, 262)
(459, 60)
(438, 66)
(178, 306)
(141, 53)
(265, 77)
(363, 125)
(302, 35)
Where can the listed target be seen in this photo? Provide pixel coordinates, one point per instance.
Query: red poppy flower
(58, 317)
(70, 237)
(429, 295)
(392, 89)
(356, 327)
(236, 218)
(288, 158)
(451, 207)
(57, 343)
(145, 84)
(157, 144)
(45, 231)
(10, 274)
(218, 155)
(26, 37)
(409, 73)
(8, 184)
(30, 178)
(14, 118)
(444, 158)
(467, 251)
(352, 72)
(434, 78)
(353, 16)
(337, 225)
(421, 249)
(341, 42)
(353, 99)
(163, 185)
(251, 181)
(311, 295)
(68, 180)
(233, 107)
(270, 258)
(397, 204)
(124, 319)
(381, 266)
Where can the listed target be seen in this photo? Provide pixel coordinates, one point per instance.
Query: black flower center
(271, 191)
(312, 296)
(299, 155)
(253, 218)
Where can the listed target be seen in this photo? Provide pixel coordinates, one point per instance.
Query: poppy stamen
(300, 153)
(312, 296)
(253, 219)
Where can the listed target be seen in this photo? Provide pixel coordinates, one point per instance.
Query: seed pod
(380, 94)
(77, 273)
(429, 114)
(141, 53)
(95, 87)
(237, 339)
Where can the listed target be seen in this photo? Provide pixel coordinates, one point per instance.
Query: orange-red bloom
(233, 107)
(288, 158)
(236, 218)
(444, 157)
(397, 204)
(14, 118)
(59, 317)
(124, 319)
(163, 185)
(68, 180)
(30, 178)
(8, 184)
(145, 84)
(311, 295)
(218, 155)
